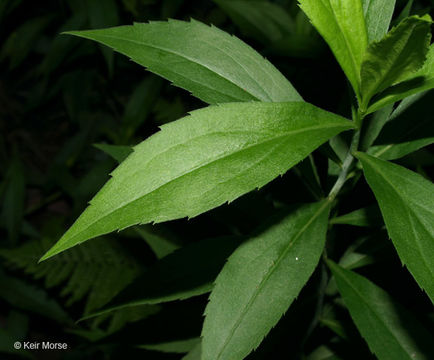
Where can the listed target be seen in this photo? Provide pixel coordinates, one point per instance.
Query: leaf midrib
(268, 275)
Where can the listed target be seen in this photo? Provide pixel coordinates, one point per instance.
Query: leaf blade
(378, 14)
(421, 80)
(342, 25)
(379, 319)
(257, 273)
(200, 162)
(213, 65)
(406, 201)
(395, 57)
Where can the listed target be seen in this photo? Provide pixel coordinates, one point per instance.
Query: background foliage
(65, 101)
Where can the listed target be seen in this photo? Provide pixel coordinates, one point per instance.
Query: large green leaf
(260, 281)
(211, 64)
(406, 201)
(201, 161)
(421, 80)
(390, 331)
(342, 25)
(399, 54)
(378, 14)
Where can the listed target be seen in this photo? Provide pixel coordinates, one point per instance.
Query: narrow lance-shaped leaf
(260, 281)
(390, 331)
(342, 25)
(406, 201)
(200, 162)
(421, 80)
(392, 59)
(378, 14)
(213, 65)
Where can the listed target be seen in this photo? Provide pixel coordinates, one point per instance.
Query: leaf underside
(378, 14)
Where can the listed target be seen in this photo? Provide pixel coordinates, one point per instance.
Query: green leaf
(178, 346)
(368, 216)
(374, 126)
(395, 57)
(211, 64)
(421, 80)
(260, 281)
(195, 353)
(342, 25)
(187, 272)
(202, 161)
(140, 104)
(406, 201)
(378, 14)
(405, 11)
(161, 242)
(402, 134)
(263, 20)
(396, 151)
(117, 152)
(366, 251)
(390, 331)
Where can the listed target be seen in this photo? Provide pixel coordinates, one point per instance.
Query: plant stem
(346, 166)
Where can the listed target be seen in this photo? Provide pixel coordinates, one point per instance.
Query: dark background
(60, 95)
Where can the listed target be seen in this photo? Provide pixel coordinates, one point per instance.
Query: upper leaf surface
(378, 14)
(260, 281)
(406, 201)
(399, 54)
(421, 80)
(342, 25)
(390, 331)
(201, 161)
(213, 65)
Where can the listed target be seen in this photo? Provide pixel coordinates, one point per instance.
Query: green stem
(346, 166)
